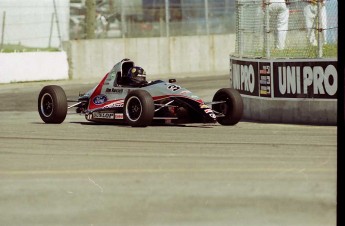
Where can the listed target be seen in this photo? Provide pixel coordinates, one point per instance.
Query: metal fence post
(3, 29)
(51, 30)
(123, 20)
(167, 18)
(57, 24)
(206, 18)
(319, 29)
(267, 30)
(239, 27)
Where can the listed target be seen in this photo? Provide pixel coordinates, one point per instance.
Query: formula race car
(124, 96)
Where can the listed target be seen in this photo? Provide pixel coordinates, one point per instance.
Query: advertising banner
(245, 77)
(305, 79)
(285, 79)
(265, 79)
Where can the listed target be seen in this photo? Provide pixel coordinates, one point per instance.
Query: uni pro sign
(309, 79)
(286, 79)
(245, 77)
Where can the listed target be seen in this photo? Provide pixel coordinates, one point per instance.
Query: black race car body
(156, 101)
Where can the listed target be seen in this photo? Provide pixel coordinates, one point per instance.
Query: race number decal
(174, 88)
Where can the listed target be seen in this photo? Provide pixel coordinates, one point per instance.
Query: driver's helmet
(137, 75)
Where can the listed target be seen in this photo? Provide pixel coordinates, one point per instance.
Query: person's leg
(310, 16)
(282, 26)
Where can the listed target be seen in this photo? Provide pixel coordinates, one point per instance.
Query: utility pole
(90, 19)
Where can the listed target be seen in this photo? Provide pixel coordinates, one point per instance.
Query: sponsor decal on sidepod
(100, 99)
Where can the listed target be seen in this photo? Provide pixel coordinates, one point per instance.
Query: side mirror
(172, 80)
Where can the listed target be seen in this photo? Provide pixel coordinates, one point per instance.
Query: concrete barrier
(33, 66)
(300, 91)
(159, 56)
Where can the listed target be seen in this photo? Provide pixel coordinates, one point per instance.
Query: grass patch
(19, 48)
(328, 51)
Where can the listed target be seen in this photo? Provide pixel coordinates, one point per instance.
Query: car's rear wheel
(231, 109)
(139, 108)
(52, 104)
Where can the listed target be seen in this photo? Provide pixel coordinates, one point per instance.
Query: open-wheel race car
(124, 96)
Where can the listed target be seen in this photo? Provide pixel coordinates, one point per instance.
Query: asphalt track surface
(79, 173)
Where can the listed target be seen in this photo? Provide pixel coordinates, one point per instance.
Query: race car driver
(136, 76)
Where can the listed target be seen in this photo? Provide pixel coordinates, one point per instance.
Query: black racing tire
(52, 104)
(139, 108)
(232, 109)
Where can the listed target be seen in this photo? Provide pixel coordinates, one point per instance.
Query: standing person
(311, 11)
(101, 25)
(278, 11)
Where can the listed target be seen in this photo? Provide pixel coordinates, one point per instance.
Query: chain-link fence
(47, 23)
(26, 25)
(287, 29)
(155, 18)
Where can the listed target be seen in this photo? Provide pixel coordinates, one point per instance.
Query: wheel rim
(224, 107)
(47, 105)
(133, 109)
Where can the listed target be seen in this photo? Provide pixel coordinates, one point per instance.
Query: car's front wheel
(232, 109)
(139, 108)
(52, 104)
